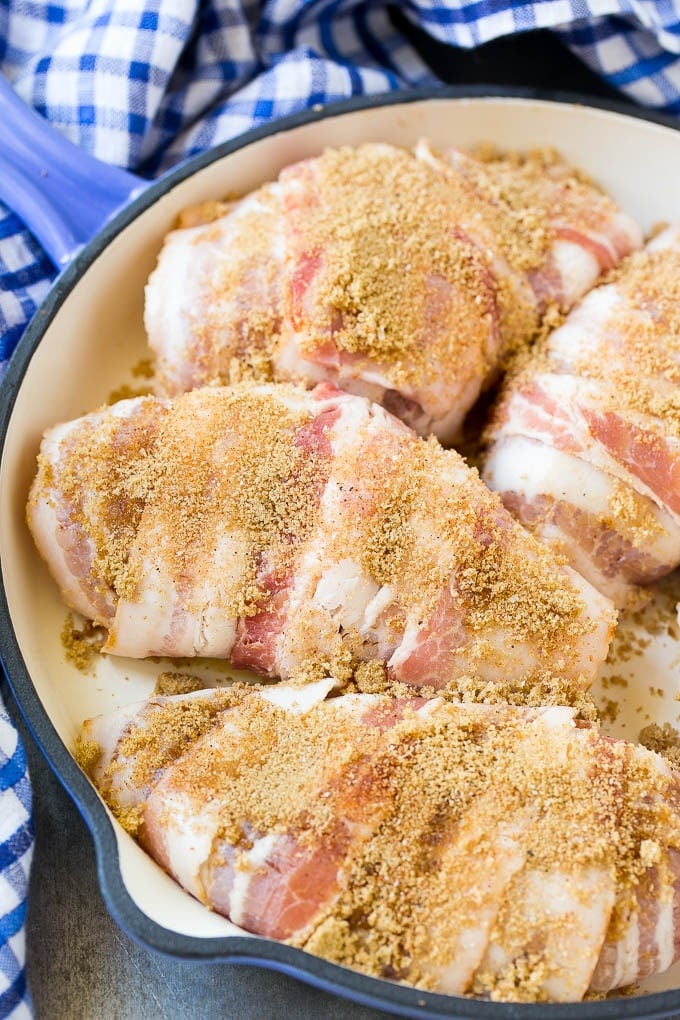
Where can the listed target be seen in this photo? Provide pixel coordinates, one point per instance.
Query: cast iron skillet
(39, 185)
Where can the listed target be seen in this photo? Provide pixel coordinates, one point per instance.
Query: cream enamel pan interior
(83, 346)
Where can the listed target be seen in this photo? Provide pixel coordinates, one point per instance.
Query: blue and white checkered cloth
(16, 849)
(144, 84)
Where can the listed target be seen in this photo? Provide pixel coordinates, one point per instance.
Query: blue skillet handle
(63, 195)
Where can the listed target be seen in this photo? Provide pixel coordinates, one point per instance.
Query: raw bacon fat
(303, 533)
(508, 852)
(569, 230)
(586, 439)
(403, 277)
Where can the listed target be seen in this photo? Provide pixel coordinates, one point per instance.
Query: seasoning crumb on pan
(665, 740)
(613, 680)
(609, 710)
(177, 683)
(82, 641)
(143, 369)
(127, 392)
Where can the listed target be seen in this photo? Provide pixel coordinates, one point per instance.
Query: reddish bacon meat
(299, 533)
(586, 441)
(455, 847)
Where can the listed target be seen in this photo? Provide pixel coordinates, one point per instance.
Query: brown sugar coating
(541, 179)
(631, 515)
(243, 316)
(208, 477)
(249, 273)
(515, 191)
(494, 577)
(384, 227)
(198, 469)
(87, 483)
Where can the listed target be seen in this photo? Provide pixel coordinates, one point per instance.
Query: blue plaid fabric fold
(144, 84)
(16, 849)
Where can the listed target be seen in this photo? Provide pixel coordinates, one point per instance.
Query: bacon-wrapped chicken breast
(301, 533)
(509, 852)
(404, 278)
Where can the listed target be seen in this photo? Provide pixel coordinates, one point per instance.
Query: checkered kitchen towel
(145, 83)
(16, 848)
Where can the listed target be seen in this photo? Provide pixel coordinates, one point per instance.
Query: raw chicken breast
(404, 278)
(510, 852)
(303, 533)
(586, 439)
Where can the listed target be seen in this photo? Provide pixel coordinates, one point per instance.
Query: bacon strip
(584, 232)
(573, 506)
(203, 312)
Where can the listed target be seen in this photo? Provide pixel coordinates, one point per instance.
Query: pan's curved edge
(398, 999)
